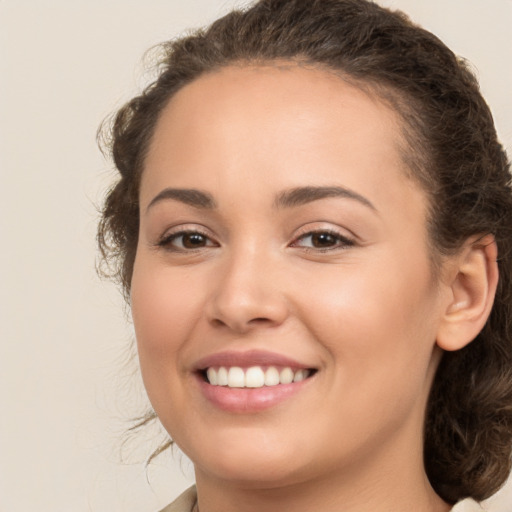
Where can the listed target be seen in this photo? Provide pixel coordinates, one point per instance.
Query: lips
(250, 381)
(247, 359)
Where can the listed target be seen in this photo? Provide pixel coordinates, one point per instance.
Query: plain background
(67, 380)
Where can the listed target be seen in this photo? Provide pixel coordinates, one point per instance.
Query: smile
(251, 381)
(254, 376)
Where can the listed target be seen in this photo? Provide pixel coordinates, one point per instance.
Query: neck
(380, 482)
(304, 498)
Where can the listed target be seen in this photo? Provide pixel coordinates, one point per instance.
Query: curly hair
(453, 152)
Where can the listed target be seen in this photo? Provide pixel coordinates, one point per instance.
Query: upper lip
(247, 359)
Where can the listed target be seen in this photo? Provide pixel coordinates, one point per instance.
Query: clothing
(467, 506)
(186, 501)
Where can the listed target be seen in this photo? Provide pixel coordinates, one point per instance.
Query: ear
(472, 282)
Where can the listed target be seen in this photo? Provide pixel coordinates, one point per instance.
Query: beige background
(65, 372)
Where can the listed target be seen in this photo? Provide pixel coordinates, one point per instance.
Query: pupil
(323, 239)
(194, 240)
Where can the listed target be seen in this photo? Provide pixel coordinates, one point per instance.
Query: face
(283, 297)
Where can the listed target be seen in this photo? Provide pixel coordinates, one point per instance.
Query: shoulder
(467, 505)
(184, 502)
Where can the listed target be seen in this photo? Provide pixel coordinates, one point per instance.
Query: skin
(366, 313)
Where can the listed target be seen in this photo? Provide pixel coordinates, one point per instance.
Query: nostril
(259, 320)
(217, 322)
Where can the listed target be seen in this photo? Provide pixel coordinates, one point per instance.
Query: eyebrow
(303, 195)
(287, 199)
(190, 196)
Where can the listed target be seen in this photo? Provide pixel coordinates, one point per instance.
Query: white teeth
(271, 377)
(236, 377)
(299, 375)
(222, 376)
(286, 376)
(254, 377)
(212, 376)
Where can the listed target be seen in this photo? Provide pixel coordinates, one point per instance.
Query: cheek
(164, 310)
(163, 307)
(378, 344)
(373, 321)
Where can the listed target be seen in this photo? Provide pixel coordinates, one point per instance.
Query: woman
(313, 228)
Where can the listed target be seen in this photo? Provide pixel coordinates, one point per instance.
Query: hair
(453, 152)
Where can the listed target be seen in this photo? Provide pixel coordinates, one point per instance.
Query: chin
(250, 462)
(259, 475)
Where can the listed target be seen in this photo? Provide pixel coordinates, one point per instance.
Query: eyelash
(341, 242)
(167, 240)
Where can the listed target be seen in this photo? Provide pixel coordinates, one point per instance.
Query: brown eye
(186, 240)
(193, 240)
(322, 240)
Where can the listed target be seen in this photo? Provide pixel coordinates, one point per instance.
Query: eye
(186, 240)
(323, 240)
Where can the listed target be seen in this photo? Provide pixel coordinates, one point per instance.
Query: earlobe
(473, 282)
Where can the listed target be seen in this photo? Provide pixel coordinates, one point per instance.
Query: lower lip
(249, 400)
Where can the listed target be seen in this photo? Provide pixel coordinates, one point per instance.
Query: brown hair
(453, 152)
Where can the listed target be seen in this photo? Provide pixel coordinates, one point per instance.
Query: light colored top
(468, 505)
(186, 501)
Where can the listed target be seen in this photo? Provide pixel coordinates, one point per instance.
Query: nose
(249, 293)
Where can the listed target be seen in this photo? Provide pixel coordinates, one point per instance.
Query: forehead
(285, 125)
(295, 97)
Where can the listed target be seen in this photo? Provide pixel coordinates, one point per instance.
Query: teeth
(271, 377)
(254, 377)
(212, 376)
(222, 377)
(236, 377)
(300, 375)
(286, 376)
